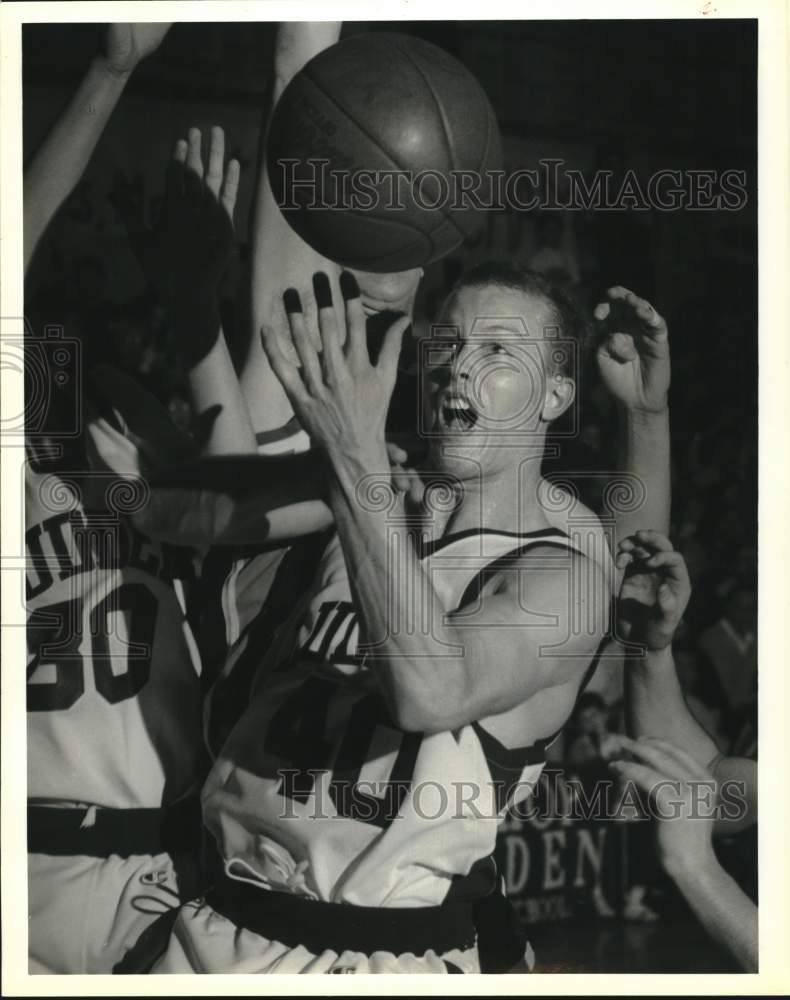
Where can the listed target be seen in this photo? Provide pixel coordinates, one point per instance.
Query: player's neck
(491, 502)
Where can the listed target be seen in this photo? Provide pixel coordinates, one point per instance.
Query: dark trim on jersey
(588, 676)
(59, 831)
(344, 611)
(282, 433)
(433, 545)
(506, 763)
(318, 926)
(428, 548)
(507, 560)
(231, 694)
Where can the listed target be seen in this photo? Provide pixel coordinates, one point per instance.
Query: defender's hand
(683, 797)
(633, 356)
(655, 589)
(339, 397)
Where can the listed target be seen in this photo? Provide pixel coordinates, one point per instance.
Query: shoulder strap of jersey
(522, 543)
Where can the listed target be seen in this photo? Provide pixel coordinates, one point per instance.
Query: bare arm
(633, 361)
(63, 156)
(236, 500)
(655, 706)
(184, 258)
(653, 597)
(280, 258)
(435, 668)
(680, 788)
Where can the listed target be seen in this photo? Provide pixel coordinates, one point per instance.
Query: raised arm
(184, 257)
(435, 669)
(62, 158)
(680, 790)
(633, 361)
(280, 259)
(653, 597)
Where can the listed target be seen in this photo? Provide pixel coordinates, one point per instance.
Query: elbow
(426, 712)
(414, 718)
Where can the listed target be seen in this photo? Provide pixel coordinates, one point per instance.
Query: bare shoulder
(564, 510)
(551, 587)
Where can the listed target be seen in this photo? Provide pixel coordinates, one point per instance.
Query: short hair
(568, 316)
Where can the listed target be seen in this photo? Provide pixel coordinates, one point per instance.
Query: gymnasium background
(636, 95)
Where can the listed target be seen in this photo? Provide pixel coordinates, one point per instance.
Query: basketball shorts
(87, 910)
(253, 930)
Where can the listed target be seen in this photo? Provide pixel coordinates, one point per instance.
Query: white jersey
(317, 792)
(113, 689)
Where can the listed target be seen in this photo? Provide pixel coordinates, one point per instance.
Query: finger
(356, 340)
(657, 754)
(621, 347)
(387, 362)
(672, 750)
(230, 187)
(623, 560)
(646, 778)
(308, 357)
(627, 544)
(174, 180)
(648, 315)
(216, 160)
(618, 293)
(601, 311)
(286, 372)
(667, 600)
(397, 455)
(673, 564)
(332, 355)
(654, 538)
(194, 160)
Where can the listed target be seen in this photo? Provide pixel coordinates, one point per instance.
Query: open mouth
(457, 413)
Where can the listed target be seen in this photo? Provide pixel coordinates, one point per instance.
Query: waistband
(318, 926)
(100, 833)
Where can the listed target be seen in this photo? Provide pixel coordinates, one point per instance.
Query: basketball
(366, 147)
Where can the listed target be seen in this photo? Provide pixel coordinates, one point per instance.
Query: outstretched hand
(655, 589)
(633, 355)
(683, 797)
(127, 44)
(186, 253)
(338, 395)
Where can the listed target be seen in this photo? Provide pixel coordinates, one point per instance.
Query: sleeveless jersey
(113, 687)
(318, 793)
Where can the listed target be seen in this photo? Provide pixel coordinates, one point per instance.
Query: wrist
(646, 417)
(360, 468)
(655, 659)
(693, 868)
(102, 65)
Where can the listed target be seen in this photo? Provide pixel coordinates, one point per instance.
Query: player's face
(487, 383)
(383, 292)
